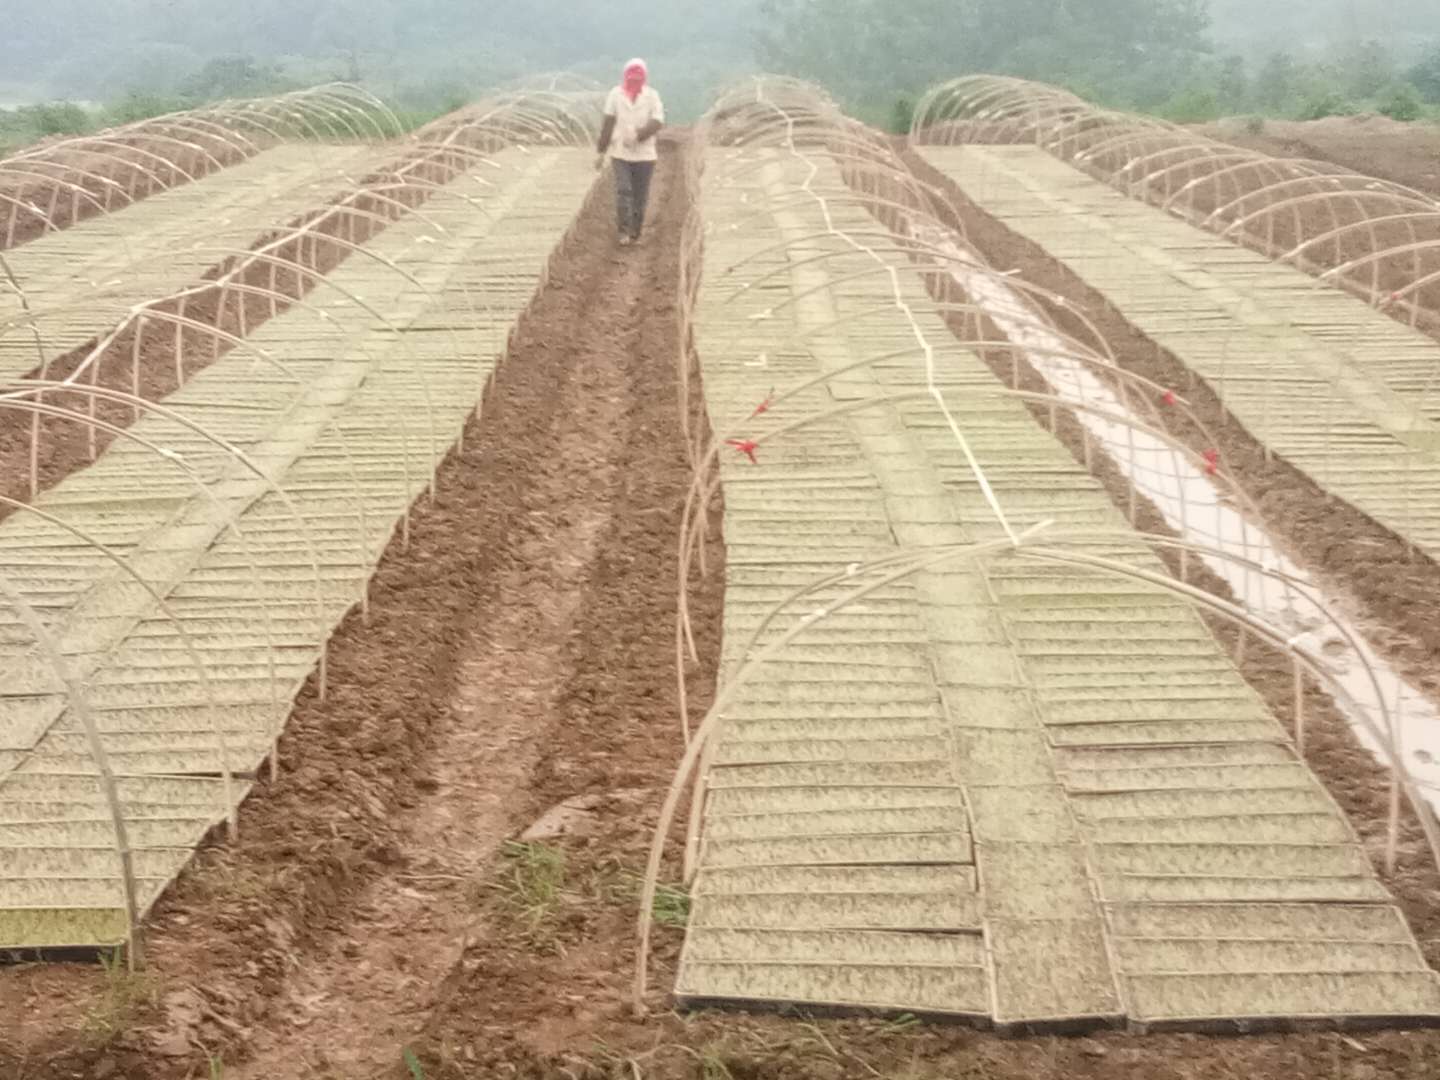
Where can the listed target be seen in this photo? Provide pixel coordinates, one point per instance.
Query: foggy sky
(93, 48)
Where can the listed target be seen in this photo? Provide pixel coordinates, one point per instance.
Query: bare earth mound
(1408, 154)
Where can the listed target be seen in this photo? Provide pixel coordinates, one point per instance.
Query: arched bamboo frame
(1327, 220)
(425, 174)
(148, 156)
(744, 118)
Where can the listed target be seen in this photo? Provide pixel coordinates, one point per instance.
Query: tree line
(1166, 57)
(1190, 60)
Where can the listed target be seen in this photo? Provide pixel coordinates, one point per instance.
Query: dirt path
(355, 1002)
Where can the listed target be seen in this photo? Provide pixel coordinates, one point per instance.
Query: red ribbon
(746, 447)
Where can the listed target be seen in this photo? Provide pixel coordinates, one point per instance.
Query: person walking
(634, 115)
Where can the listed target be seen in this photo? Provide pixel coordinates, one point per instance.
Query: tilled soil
(1408, 154)
(589, 365)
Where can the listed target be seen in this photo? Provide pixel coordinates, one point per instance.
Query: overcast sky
(106, 48)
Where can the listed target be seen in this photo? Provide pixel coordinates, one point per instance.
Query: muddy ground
(1408, 154)
(378, 919)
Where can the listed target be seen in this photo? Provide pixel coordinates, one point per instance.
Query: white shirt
(630, 117)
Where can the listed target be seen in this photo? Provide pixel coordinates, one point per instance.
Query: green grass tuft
(125, 994)
(536, 880)
(672, 907)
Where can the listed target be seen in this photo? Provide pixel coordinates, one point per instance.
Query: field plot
(177, 600)
(1342, 391)
(987, 736)
(57, 184)
(966, 776)
(71, 285)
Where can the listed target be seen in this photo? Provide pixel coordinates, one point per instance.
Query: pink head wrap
(636, 75)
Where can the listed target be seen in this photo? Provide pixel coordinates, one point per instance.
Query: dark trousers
(632, 193)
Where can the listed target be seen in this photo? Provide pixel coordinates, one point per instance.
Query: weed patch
(124, 996)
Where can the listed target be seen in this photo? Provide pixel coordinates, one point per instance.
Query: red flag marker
(1170, 398)
(763, 409)
(1212, 461)
(746, 447)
